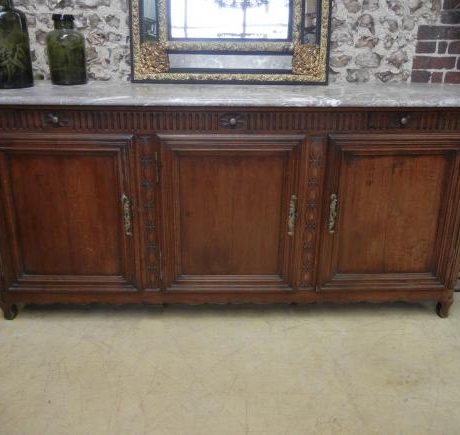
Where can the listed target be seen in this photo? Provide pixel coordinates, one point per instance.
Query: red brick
(450, 17)
(454, 47)
(436, 77)
(452, 77)
(420, 76)
(438, 32)
(451, 4)
(442, 47)
(426, 47)
(453, 32)
(430, 62)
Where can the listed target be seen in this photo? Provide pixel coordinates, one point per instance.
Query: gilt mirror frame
(150, 61)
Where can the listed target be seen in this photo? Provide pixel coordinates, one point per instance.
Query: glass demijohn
(66, 52)
(15, 61)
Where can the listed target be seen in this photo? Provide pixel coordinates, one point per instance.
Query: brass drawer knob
(233, 120)
(53, 119)
(56, 119)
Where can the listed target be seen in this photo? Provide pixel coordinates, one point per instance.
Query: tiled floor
(357, 369)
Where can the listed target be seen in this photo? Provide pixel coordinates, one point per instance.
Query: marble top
(334, 95)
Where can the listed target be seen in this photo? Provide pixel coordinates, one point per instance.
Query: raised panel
(67, 214)
(230, 216)
(396, 197)
(64, 214)
(228, 199)
(390, 207)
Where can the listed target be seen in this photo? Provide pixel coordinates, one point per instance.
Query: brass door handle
(127, 218)
(332, 213)
(292, 215)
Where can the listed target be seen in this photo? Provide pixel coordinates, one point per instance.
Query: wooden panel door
(227, 202)
(66, 212)
(391, 212)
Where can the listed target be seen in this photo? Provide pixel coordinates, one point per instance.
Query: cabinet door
(66, 212)
(230, 208)
(390, 212)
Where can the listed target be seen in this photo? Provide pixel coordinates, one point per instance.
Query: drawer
(403, 120)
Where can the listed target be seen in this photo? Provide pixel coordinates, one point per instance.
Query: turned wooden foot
(10, 311)
(442, 308)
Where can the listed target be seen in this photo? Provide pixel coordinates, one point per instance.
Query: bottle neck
(68, 24)
(5, 5)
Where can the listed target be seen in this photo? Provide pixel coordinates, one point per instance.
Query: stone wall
(372, 40)
(375, 40)
(105, 24)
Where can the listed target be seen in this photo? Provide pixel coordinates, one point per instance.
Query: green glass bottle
(66, 52)
(15, 61)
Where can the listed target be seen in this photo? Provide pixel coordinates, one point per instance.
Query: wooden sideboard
(212, 205)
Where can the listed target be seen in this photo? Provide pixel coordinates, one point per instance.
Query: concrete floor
(357, 369)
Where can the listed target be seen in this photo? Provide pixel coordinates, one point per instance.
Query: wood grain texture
(148, 209)
(210, 202)
(228, 198)
(212, 119)
(66, 205)
(389, 213)
(230, 220)
(394, 196)
(63, 211)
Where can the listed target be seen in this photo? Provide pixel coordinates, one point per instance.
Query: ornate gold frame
(309, 62)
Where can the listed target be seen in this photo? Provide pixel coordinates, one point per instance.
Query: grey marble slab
(334, 95)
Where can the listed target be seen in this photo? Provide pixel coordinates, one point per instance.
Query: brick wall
(437, 58)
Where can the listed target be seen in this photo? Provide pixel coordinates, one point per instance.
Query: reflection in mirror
(311, 30)
(230, 62)
(230, 19)
(149, 20)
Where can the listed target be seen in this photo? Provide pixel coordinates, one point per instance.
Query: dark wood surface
(394, 198)
(61, 206)
(209, 205)
(226, 201)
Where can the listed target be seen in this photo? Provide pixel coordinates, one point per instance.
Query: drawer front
(238, 120)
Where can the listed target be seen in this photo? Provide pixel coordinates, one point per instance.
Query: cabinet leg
(10, 311)
(443, 306)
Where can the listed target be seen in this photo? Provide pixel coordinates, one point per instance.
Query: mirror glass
(230, 19)
(230, 40)
(310, 20)
(149, 21)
